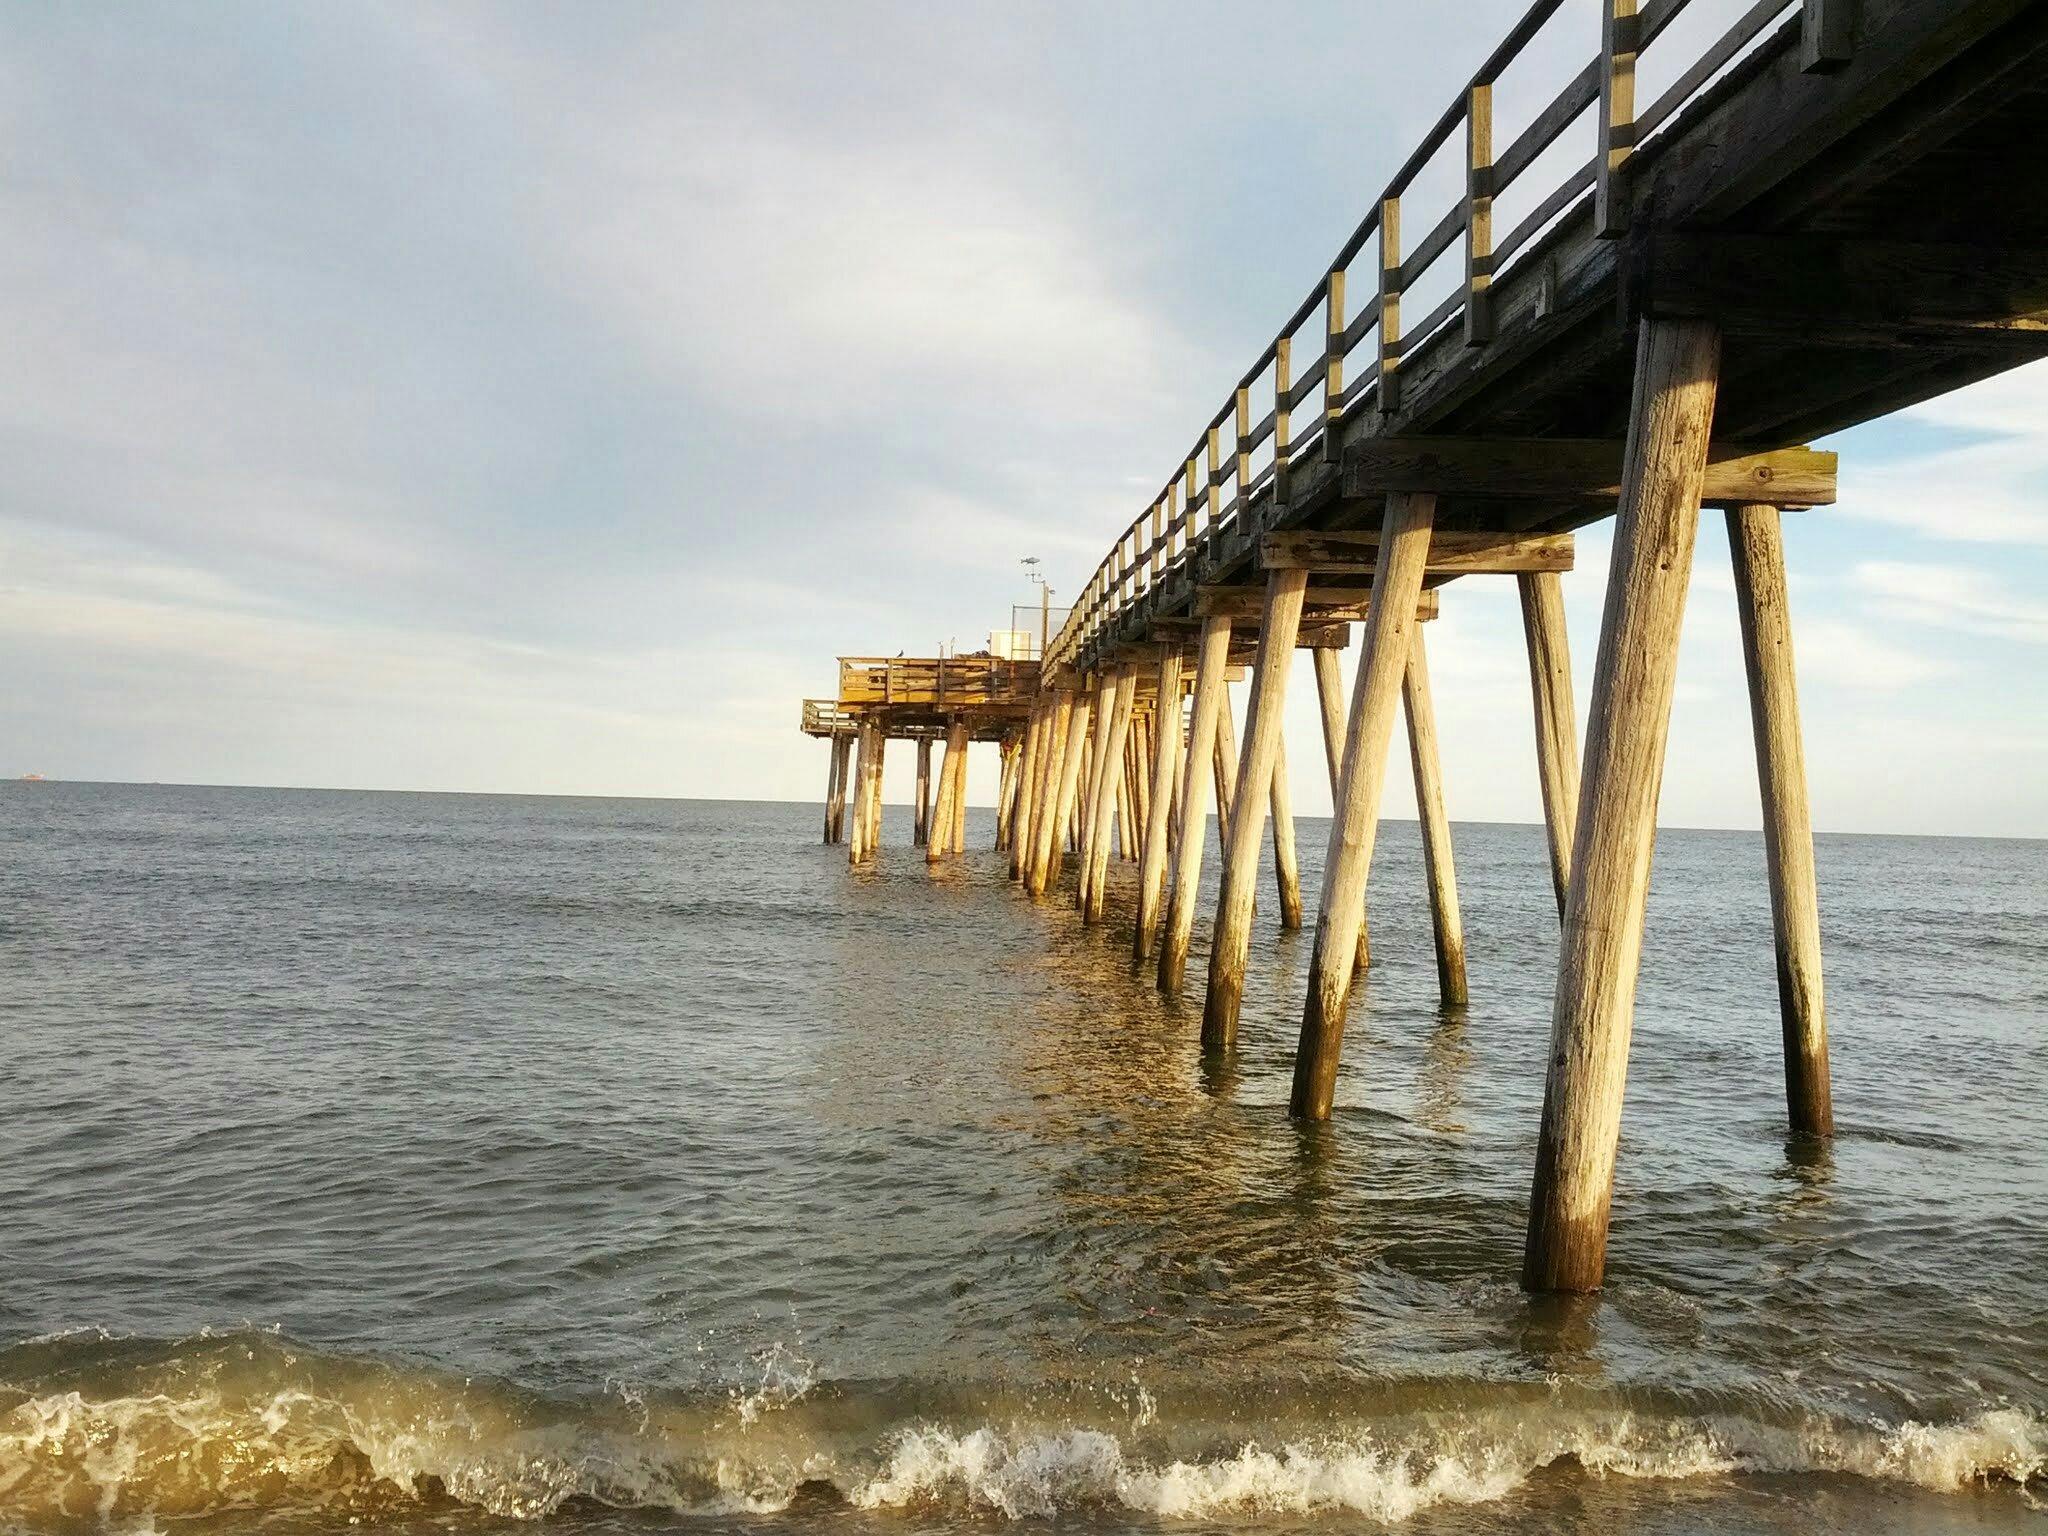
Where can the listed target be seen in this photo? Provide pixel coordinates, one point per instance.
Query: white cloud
(1992, 491)
(1843, 654)
(1952, 597)
(807, 270)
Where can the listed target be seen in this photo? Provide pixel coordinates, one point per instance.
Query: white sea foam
(381, 1441)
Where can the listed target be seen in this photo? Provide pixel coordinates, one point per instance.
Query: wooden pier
(1835, 210)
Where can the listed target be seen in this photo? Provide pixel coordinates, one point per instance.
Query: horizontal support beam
(1320, 604)
(1316, 635)
(1450, 553)
(1846, 290)
(1575, 469)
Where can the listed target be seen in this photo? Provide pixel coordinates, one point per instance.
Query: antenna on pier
(1030, 564)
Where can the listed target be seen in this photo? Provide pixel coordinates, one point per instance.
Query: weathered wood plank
(1353, 553)
(1321, 603)
(1574, 470)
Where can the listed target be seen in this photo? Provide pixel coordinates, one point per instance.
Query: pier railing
(824, 717)
(943, 682)
(1238, 458)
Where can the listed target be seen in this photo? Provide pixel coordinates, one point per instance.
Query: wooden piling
(1212, 659)
(1230, 939)
(921, 819)
(857, 830)
(1098, 772)
(957, 841)
(1141, 751)
(1437, 865)
(1047, 823)
(1022, 824)
(1330, 694)
(1013, 796)
(939, 831)
(1096, 876)
(867, 797)
(835, 787)
(1159, 821)
(1070, 778)
(1390, 621)
(1224, 764)
(1286, 867)
(1756, 544)
(1557, 730)
(1176, 726)
(1677, 368)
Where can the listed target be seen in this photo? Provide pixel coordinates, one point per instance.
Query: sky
(538, 398)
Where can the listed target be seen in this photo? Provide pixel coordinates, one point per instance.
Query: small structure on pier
(1834, 210)
(925, 699)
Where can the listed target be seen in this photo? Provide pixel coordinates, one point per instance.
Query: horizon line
(905, 805)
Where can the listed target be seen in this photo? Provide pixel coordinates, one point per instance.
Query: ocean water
(403, 1162)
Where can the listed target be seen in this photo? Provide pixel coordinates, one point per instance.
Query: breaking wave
(98, 1431)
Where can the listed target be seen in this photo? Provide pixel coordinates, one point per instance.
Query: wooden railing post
(1244, 453)
(1618, 32)
(1479, 215)
(1215, 493)
(1333, 364)
(1390, 303)
(1825, 35)
(1283, 382)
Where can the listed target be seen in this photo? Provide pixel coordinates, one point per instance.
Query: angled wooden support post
(1126, 807)
(1066, 805)
(1012, 749)
(1330, 696)
(1076, 814)
(1438, 867)
(1177, 725)
(1230, 940)
(1557, 729)
(1757, 545)
(1023, 824)
(835, 788)
(1158, 823)
(1677, 374)
(1286, 866)
(1212, 661)
(1140, 753)
(1383, 660)
(1330, 693)
(1096, 776)
(1095, 877)
(1223, 768)
(921, 821)
(1046, 828)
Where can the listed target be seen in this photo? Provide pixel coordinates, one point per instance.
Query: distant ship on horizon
(33, 778)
